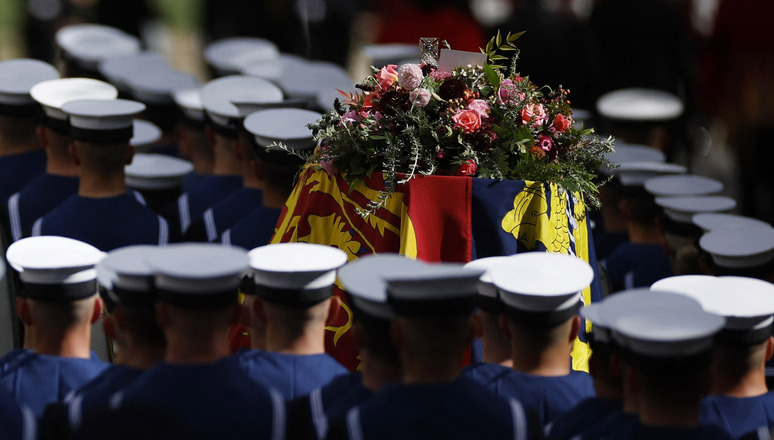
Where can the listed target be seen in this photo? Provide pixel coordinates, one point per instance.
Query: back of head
(56, 318)
(102, 159)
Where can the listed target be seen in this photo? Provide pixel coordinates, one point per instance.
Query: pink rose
(440, 76)
(410, 76)
(420, 97)
(467, 120)
(509, 93)
(562, 123)
(468, 168)
(533, 114)
(387, 76)
(479, 106)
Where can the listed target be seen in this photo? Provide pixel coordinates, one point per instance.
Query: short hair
(435, 337)
(58, 317)
(142, 325)
(102, 159)
(19, 131)
(376, 339)
(294, 320)
(539, 337)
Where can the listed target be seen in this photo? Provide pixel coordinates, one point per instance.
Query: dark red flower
(452, 89)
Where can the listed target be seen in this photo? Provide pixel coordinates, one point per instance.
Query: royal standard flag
(433, 218)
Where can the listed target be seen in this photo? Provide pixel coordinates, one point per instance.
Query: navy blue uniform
(16, 421)
(216, 400)
(105, 223)
(37, 198)
(460, 409)
(13, 357)
(486, 373)
(292, 375)
(224, 214)
(190, 206)
(633, 265)
(310, 416)
(738, 415)
(583, 418)
(549, 396)
(638, 431)
(254, 230)
(192, 179)
(38, 380)
(17, 170)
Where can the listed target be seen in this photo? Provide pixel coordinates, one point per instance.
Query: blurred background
(716, 55)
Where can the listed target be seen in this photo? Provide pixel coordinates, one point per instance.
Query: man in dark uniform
(431, 331)
(739, 399)
(103, 213)
(223, 122)
(542, 295)
(611, 406)
(126, 286)
(198, 383)
(270, 172)
(191, 137)
(293, 288)
(496, 349)
(21, 156)
(60, 305)
(60, 180)
(666, 356)
(310, 416)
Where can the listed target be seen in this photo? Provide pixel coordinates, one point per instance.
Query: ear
(623, 208)
(357, 335)
(74, 154)
(632, 379)
(769, 347)
(478, 327)
(40, 132)
(109, 325)
(96, 311)
(506, 328)
(616, 368)
(396, 335)
(593, 365)
(23, 310)
(259, 310)
(210, 135)
(257, 167)
(236, 315)
(130, 154)
(162, 315)
(244, 314)
(574, 328)
(239, 150)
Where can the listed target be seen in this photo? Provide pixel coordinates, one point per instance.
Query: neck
(10, 148)
(226, 162)
(644, 235)
(186, 350)
(248, 177)
(496, 354)
(418, 370)
(64, 168)
(612, 219)
(378, 371)
(654, 412)
(73, 343)
(310, 341)
(92, 185)
(139, 356)
(749, 383)
(550, 361)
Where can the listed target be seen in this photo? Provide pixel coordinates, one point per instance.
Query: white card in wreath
(450, 59)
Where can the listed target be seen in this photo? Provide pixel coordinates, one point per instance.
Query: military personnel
(611, 406)
(311, 416)
(126, 286)
(61, 304)
(223, 122)
(293, 289)
(666, 359)
(60, 180)
(739, 399)
(191, 138)
(738, 250)
(542, 295)
(431, 331)
(272, 169)
(197, 287)
(21, 155)
(83, 46)
(101, 130)
(17, 422)
(496, 349)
